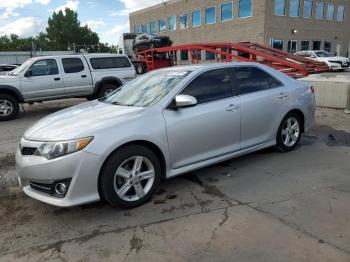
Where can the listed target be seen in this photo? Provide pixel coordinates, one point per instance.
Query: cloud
(71, 4)
(23, 27)
(8, 14)
(134, 5)
(14, 4)
(95, 24)
(119, 13)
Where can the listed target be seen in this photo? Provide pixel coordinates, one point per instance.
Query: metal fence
(21, 57)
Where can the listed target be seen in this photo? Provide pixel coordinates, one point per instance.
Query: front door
(339, 49)
(211, 128)
(263, 103)
(292, 46)
(43, 80)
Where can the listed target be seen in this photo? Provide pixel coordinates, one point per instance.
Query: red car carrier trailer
(292, 65)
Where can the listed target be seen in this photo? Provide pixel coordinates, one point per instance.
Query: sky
(109, 18)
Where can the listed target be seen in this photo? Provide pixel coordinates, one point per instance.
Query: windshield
(322, 54)
(148, 89)
(19, 69)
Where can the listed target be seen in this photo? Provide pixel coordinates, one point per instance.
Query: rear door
(44, 81)
(76, 76)
(264, 100)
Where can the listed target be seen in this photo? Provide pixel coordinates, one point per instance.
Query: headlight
(53, 150)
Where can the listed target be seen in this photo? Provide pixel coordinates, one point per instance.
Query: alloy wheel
(6, 108)
(290, 132)
(134, 178)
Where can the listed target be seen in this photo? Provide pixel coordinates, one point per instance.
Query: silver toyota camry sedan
(160, 125)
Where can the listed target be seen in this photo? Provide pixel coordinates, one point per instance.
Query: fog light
(60, 189)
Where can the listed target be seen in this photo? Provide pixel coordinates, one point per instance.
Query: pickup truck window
(44, 67)
(72, 65)
(109, 62)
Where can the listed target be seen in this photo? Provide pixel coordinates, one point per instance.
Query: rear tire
(106, 89)
(289, 133)
(130, 177)
(9, 107)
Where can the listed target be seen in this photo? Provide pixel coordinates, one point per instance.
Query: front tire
(130, 177)
(289, 133)
(9, 107)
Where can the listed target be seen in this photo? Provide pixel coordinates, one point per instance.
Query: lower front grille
(28, 151)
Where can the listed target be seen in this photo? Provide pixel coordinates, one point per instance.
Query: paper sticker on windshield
(177, 73)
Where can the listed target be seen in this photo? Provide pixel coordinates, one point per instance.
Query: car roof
(203, 67)
(90, 55)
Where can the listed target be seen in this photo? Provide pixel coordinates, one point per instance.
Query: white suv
(54, 77)
(336, 63)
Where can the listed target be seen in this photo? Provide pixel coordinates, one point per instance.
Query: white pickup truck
(55, 77)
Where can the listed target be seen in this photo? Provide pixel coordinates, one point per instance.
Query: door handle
(83, 76)
(232, 108)
(282, 96)
(57, 79)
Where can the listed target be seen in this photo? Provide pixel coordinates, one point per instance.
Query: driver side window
(44, 67)
(210, 86)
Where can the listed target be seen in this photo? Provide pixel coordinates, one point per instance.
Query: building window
(294, 8)
(280, 7)
(162, 25)
(316, 45)
(172, 23)
(210, 15)
(183, 21)
(152, 27)
(245, 8)
(327, 46)
(340, 13)
(330, 12)
(305, 45)
(277, 43)
(144, 28)
(319, 10)
(184, 55)
(196, 18)
(292, 46)
(227, 11)
(209, 55)
(307, 9)
(137, 29)
(197, 53)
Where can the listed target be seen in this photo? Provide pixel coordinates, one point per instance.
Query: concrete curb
(7, 160)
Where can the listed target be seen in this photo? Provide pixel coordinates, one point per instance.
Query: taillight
(312, 89)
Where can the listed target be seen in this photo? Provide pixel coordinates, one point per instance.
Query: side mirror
(29, 73)
(183, 101)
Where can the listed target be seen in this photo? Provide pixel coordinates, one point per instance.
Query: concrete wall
(331, 91)
(21, 57)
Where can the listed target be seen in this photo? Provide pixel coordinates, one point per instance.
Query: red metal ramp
(289, 64)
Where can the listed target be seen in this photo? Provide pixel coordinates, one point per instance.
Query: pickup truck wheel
(9, 107)
(106, 89)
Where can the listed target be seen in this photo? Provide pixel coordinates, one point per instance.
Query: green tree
(64, 29)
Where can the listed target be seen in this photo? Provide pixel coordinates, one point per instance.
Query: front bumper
(82, 168)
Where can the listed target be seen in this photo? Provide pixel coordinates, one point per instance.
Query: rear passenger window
(109, 62)
(252, 79)
(72, 65)
(210, 86)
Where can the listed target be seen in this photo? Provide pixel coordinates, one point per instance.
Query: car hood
(80, 121)
(5, 78)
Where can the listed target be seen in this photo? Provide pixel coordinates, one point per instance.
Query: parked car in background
(145, 41)
(336, 63)
(160, 125)
(55, 77)
(4, 69)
